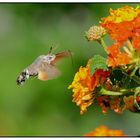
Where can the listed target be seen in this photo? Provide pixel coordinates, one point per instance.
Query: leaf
(97, 62)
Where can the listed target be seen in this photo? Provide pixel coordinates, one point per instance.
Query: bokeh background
(45, 108)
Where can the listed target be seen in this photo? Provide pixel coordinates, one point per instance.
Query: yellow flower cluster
(82, 88)
(126, 13)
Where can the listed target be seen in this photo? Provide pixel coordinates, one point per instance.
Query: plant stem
(103, 91)
(134, 71)
(107, 92)
(102, 42)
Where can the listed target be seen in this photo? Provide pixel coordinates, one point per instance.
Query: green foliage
(122, 79)
(97, 62)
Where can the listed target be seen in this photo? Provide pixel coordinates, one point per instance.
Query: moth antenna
(52, 49)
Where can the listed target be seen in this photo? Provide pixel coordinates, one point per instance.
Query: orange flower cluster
(116, 57)
(123, 58)
(105, 131)
(83, 86)
(122, 25)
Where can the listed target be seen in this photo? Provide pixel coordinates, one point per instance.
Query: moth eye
(50, 57)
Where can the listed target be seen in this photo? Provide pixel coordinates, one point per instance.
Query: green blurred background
(45, 108)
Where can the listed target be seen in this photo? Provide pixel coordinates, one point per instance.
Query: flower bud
(95, 33)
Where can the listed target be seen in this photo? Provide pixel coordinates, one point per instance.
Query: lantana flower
(112, 82)
(116, 57)
(123, 26)
(83, 86)
(105, 131)
(126, 13)
(122, 22)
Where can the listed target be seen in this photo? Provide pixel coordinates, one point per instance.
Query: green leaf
(97, 62)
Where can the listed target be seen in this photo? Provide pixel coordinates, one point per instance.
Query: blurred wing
(60, 56)
(48, 72)
(35, 66)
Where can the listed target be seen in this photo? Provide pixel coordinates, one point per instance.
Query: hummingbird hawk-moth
(43, 67)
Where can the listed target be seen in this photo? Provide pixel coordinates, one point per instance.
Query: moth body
(43, 67)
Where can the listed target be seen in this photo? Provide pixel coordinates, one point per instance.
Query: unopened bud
(95, 33)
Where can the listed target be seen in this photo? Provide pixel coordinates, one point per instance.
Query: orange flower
(83, 86)
(136, 22)
(105, 131)
(116, 57)
(119, 31)
(136, 39)
(123, 25)
(136, 42)
(122, 22)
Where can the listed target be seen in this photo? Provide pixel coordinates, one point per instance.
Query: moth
(43, 67)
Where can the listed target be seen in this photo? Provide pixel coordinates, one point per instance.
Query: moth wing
(48, 72)
(60, 56)
(35, 66)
